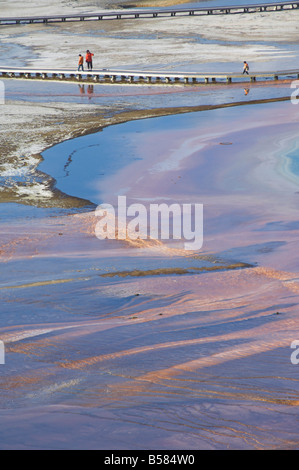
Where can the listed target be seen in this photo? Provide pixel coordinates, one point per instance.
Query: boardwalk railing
(144, 76)
(151, 13)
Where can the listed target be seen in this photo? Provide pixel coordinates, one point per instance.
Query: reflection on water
(88, 90)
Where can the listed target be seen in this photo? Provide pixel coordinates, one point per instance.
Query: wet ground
(142, 344)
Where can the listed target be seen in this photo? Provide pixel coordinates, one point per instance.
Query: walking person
(245, 67)
(80, 63)
(88, 59)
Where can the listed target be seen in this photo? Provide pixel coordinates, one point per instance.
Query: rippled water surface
(126, 345)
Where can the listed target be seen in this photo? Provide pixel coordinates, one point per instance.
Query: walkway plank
(141, 76)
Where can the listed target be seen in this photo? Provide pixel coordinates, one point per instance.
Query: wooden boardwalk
(151, 13)
(142, 76)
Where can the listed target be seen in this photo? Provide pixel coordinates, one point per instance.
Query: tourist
(246, 67)
(80, 63)
(88, 59)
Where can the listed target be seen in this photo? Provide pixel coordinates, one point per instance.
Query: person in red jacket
(88, 59)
